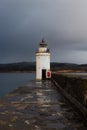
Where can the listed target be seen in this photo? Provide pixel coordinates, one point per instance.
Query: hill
(31, 66)
(21, 66)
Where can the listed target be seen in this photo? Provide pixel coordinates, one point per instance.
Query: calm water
(10, 81)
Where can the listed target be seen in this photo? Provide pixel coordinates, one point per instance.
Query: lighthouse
(43, 61)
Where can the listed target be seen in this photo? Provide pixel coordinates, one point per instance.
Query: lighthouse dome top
(43, 43)
(43, 48)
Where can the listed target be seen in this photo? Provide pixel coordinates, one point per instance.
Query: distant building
(43, 61)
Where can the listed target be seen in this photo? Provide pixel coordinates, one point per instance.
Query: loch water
(10, 81)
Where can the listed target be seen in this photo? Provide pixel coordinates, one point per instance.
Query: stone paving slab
(38, 106)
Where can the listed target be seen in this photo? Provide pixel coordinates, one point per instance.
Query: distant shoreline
(30, 67)
(54, 71)
(17, 71)
(69, 71)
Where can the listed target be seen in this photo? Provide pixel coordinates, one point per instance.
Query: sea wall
(75, 86)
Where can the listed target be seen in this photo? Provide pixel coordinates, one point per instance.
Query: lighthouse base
(46, 74)
(43, 75)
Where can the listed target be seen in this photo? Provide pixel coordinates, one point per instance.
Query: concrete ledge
(72, 100)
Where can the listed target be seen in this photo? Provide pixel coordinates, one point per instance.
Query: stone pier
(38, 106)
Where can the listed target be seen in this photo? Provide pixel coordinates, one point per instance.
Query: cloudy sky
(63, 23)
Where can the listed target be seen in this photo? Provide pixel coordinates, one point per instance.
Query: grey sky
(63, 23)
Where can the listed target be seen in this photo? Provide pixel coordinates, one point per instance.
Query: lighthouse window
(43, 45)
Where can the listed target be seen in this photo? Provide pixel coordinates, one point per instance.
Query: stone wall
(75, 86)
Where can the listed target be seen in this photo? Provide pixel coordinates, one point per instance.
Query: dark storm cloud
(62, 22)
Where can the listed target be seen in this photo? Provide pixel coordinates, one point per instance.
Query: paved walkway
(38, 106)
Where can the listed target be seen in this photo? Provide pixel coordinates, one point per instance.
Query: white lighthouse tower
(43, 61)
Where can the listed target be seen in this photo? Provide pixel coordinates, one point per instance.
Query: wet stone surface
(38, 106)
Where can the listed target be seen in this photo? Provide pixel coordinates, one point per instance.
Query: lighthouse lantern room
(43, 61)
